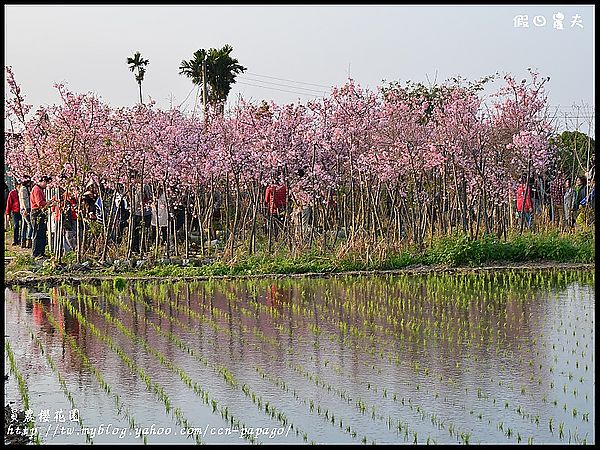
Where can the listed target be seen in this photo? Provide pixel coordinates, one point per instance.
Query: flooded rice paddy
(487, 358)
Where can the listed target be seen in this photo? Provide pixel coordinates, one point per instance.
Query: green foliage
(460, 249)
(221, 71)
(119, 283)
(572, 151)
(401, 260)
(22, 262)
(69, 257)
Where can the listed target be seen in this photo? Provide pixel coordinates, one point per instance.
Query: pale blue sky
(86, 47)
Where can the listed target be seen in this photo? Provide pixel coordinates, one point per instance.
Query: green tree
(574, 152)
(193, 69)
(221, 71)
(138, 63)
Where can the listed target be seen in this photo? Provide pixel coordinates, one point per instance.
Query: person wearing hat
(25, 204)
(39, 205)
(14, 211)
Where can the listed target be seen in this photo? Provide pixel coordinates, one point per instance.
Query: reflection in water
(502, 357)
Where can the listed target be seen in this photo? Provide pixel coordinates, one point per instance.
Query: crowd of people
(146, 211)
(26, 204)
(566, 204)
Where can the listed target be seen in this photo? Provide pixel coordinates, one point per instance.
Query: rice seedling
(23, 390)
(62, 383)
(561, 433)
(150, 385)
(97, 374)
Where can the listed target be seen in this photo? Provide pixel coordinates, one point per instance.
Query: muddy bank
(26, 278)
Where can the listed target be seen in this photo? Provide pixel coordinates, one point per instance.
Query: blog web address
(54, 430)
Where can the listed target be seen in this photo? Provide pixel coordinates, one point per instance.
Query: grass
(452, 251)
(449, 251)
(459, 249)
(21, 262)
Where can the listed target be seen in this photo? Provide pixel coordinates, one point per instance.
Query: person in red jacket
(39, 206)
(276, 200)
(13, 209)
(524, 202)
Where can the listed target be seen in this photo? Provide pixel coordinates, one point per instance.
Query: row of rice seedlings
(360, 404)
(61, 381)
(151, 386)
(328, 416)
(222, 370)
(162, 291)
(326, 386)
(434, 326)
(23, 390)
(310, 377)
(120, 408)
(270, 409)
(344, 326)
(318, 330)
(568, 373)
(196, 387)
(536, 418)
(425, 371)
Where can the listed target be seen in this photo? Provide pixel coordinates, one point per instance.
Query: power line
(284, 85)
(188, 96)
(284, 79)
(277, 89)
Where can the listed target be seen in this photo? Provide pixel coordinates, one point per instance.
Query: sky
(294, 53)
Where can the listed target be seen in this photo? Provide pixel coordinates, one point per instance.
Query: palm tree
(193, 69)
(137, 62)
(221, 70)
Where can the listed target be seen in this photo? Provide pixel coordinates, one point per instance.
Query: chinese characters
(522, 21)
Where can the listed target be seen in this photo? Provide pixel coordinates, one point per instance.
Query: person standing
(141, 215)
(25, 204)
(39, 205)
(64, 210)
(121, 209)
(159, 218)
(569, 204)
(524, 203)
(581, 188)
(14, 211)
(276, 201)
(581, 193)
(276, 198)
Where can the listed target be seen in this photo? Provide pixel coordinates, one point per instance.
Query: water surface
(438, 358)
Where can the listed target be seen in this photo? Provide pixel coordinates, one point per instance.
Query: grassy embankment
(448, 251)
